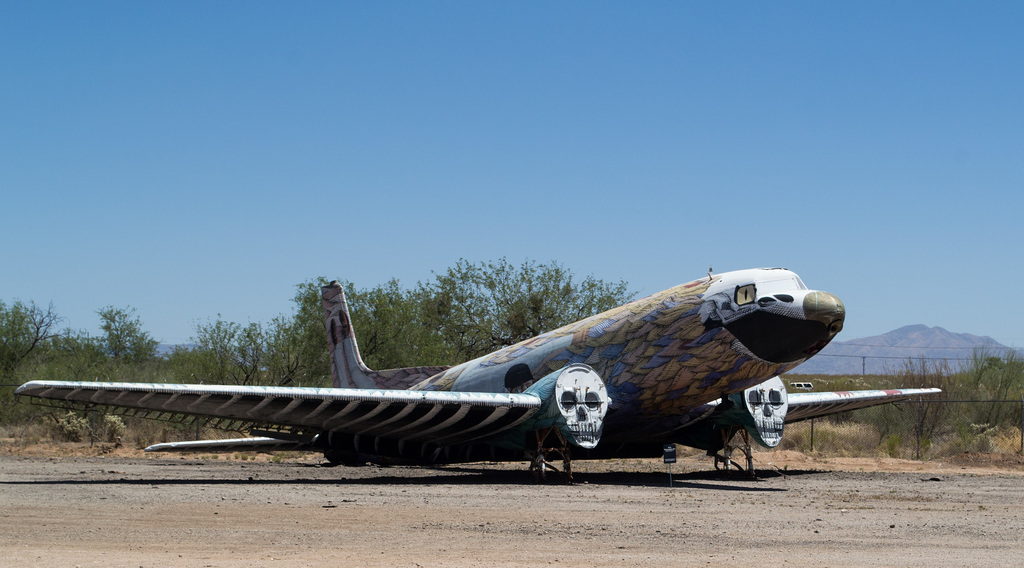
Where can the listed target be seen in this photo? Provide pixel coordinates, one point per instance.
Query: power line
(979, 347)
(902, 358)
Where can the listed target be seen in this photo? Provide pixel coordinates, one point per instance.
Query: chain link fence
(920, 429)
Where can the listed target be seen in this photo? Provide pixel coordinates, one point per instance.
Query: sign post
(669, 451)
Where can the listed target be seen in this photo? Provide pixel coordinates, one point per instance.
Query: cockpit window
(745, 294)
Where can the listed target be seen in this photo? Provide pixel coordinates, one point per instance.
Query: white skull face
(583, 402)
(768, 403)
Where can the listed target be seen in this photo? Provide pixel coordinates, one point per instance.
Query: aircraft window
(745, 294)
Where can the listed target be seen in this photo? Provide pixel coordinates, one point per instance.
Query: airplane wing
(763, 411)
(807, 405)
(573, 399)
(437, 417)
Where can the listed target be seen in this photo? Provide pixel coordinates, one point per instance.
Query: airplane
(694, 365)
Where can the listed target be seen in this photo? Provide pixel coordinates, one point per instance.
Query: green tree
(387, 320)
(123, 338)
(74, 355)
(994, 378)
(289, 350)
(477, 308)
(24, 328)
(466, 312)
(223, 352)
(309, 335)
(391, 329)
(283, 357)
(463, 313)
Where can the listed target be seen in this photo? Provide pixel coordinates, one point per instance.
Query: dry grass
(847, 439)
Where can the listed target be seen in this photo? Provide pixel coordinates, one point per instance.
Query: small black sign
(670, 453)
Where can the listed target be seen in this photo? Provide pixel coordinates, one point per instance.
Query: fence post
(812, 433)
(1022, 423)
(920, 412)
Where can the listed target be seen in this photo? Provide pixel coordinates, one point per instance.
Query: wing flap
(803, 406)
(404, 415)
(232, 445)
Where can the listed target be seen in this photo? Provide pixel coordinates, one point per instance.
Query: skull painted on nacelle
(767, 403)
(583, 402)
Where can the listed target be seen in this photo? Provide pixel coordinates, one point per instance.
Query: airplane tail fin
(347, 367)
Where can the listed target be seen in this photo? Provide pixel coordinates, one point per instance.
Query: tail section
(347, 367)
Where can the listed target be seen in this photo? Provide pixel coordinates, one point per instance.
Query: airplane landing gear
(724, 461)
(542, 456)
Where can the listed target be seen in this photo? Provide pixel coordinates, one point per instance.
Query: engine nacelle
(582, 402)
(575, 402)
(762, 410)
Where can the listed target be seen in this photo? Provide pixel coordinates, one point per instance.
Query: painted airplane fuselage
(691, 365)
(664, 356)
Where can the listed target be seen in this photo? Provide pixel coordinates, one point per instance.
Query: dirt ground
(75, 506)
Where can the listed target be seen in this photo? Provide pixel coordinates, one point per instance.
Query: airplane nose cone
(827, 309)
(783, 336)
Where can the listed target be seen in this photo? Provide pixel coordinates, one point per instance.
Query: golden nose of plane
(826, 308)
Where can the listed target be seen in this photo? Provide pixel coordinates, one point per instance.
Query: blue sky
(191, 159)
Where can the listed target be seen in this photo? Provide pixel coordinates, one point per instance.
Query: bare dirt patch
(111, 510)
(779, 461)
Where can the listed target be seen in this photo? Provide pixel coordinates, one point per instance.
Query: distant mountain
(891, 352)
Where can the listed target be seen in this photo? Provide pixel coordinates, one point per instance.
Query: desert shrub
(78, 427)
(967, 437)
(110, 428)
(1007, 439)
(892, 445)
(70, 427)
(143, 432)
